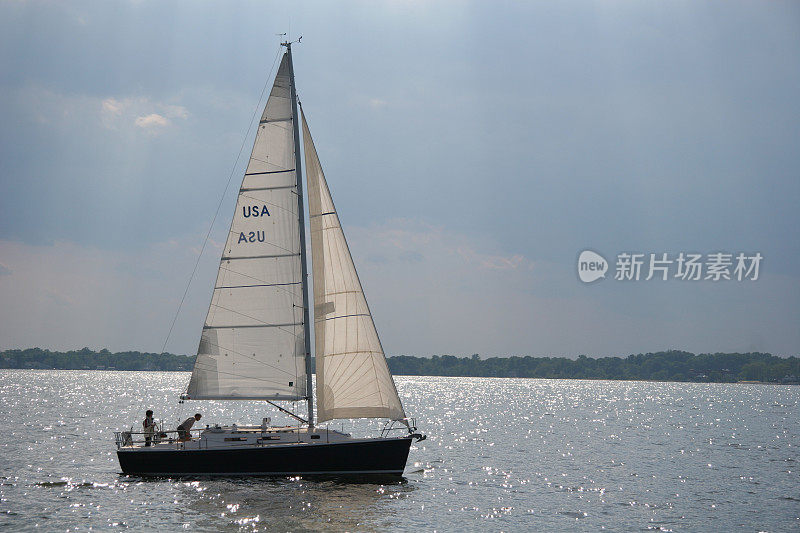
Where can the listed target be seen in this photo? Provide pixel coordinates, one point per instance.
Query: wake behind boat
(255, 343)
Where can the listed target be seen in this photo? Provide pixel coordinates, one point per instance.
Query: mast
(301, 215)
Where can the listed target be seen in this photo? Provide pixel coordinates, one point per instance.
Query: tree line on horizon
(88, 359)
(672, 365)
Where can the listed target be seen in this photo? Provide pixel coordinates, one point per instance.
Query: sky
(474, 150)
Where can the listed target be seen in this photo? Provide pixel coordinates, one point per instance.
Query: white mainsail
(353, 379)
(252, 346)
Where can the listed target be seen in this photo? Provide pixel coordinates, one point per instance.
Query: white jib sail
(252, 346)
(353, 379)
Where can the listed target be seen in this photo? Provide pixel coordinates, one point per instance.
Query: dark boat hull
(372, 456)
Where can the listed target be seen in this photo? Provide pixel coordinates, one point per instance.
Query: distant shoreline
(669, 366)
(743, 382)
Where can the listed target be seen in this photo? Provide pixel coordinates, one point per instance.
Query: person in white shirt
(149, 426)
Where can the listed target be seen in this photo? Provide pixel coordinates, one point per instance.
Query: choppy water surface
(501, 454)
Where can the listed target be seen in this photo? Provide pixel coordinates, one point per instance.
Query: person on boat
(149, 427)
(184, 429)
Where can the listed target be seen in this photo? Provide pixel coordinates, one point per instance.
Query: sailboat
(256, 341)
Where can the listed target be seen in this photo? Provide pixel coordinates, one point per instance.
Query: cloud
(377, 103)
(4, 270)
(153, 120)
(495, 262)
(59, 297)
(153, 117)
(412, 240)
(457, 292)
(112, 106)
(133, 113)
(175, 111)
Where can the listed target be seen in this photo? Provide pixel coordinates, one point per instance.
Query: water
(501, 454)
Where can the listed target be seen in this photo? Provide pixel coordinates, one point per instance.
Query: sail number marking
(253, 211)
(252, 236)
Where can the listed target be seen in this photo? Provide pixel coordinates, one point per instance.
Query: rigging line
(341, 292)
(245, 356)
(265, 172)
(288, 412)
(202, 366)
(221, 200)
(257, 279)
(345, 316)
(253, 158)
(234, 311)
(259, 285)
(353, 352)
(265, 256)
(280, 328)
(248, 376)
(268, 188)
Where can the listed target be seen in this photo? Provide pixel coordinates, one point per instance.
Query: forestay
(252, 346)
(353, 379)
